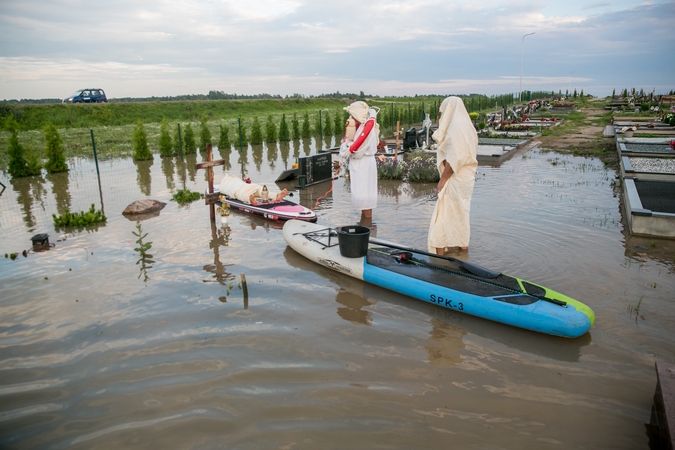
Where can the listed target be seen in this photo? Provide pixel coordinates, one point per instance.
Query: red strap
(370, 123)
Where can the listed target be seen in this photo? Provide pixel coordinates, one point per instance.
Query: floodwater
(101, 348)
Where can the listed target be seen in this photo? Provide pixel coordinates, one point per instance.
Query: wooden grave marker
(210, 199)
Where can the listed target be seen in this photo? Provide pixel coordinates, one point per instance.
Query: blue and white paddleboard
(446, 282)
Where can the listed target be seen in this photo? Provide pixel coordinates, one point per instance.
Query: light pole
(522, 51)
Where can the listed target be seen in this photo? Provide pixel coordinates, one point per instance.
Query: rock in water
(144, 207)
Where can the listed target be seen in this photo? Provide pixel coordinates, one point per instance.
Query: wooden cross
(209, 164)
(397, 133)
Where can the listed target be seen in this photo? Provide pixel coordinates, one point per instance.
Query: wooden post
(209, 164)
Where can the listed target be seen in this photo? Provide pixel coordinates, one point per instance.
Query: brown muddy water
(99, 350)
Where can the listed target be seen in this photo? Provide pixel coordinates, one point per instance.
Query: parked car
(87, 96)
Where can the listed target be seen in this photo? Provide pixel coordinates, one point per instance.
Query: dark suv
(87, 96)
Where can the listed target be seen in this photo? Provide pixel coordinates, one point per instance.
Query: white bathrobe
(235, 187)
(457, 144)
(362, 165)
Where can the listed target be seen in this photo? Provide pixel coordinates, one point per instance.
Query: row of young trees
(24, 162)
(171, 140)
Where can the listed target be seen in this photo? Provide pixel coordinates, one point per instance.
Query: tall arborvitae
(21, 162)
(327, 125)
(270, 130)
(140, 143)
(340, 119)
(56, 159)
(177, 141)
(317, 125)
(256, 132)
(189, 140)
(224, 141)
(165, 142)
(204, 134)
(306, 131)
(284, 134)
(296, 126)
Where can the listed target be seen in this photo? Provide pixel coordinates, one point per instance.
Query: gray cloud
(51, 48)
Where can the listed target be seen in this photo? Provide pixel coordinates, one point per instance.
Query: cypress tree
(165, 143)
(204, 134)
(327, 125)
(296, 126)
(284, 134)
(306, 132)
(256, 132)
(224, 141)
(140, 143)
(317, 125)
(339, 123)
(176, 141)
(56, 159)
(270, 130)
(189, 140)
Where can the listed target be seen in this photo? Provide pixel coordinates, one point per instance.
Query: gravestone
(315, 169)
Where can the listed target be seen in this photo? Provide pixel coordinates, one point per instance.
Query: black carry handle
(471, 268)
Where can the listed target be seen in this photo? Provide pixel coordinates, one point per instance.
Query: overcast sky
(142, 48)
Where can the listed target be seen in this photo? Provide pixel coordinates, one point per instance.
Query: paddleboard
(446, 282)
(277, 210)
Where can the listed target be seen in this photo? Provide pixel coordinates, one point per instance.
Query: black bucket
(353, 241)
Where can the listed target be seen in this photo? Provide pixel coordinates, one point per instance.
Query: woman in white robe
(456, 160)
(358, 149)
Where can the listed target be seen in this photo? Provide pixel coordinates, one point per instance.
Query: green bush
(473, 116)
(317, 125)
(139, 140)
(80, 219)
(327, 125)
(204, 134)
(56, 159)
(284, 134)
(256, 132)
(177, 144)
(422, 169)
(224, 141)
(165, 142)
(340, 120)
(22, 162)
(189, 140)
(391, 170)
(270, 130)
(296, 126)
(185, 196)
(306, 132)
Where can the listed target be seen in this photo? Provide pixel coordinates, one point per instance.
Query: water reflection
(60, 187)
(243, 161)
(28, 190)
(306, 145)
(445, 344)
(143, 176)
(285, 152)
(190, 162)
(168, 171)
(225, 154)
(353, 308)
(257, 155)
(220, 237)
(272, 154)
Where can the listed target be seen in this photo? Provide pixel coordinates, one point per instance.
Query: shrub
(256, 132)
(473, 116)
(22, 162)
(139, 140)
(306, 132)
(422, 169)
(204, 134)
(270, 130)
(317, 125)
(284, 134)
(165, 143)
(296, 126)
(80, 219)
(327, 125)
(224, 141)
(56, 159)
(177, 141)
(340, 119)
(189, 140)
(391, 169)
(185, 196)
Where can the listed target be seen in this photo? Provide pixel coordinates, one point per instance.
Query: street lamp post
(522, 51)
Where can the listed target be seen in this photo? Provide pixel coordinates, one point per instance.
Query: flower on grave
(672, 145)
